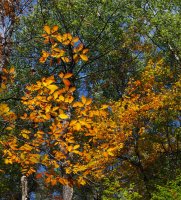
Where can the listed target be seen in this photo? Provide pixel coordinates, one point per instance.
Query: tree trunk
(24, 185)
(67, 192)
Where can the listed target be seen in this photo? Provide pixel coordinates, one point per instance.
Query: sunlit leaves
(65, 77)
(63, 116)
(58, 49)
(61, 131)
(44, 56)
(25, 133)
(84, 57)
(4, 109)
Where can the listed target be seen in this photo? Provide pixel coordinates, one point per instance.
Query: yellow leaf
(12, 70)
(78, 104)
(76, 146)
(67, 36)
(73, 122)
(84, 57)
(4, 108)
(52, 88)
(69, 148)
(3, 86)
(55, 108)
(9, 128)
(63, 116)
(25, 136)
(57, 53)
(24, 131)
(110, 152)
(48, 81)
(77, 126)
(34, 158)
(104, 107)
(84, 123)
(68, 170)
(47, 108)
(65, 59)
(69, 99)
(59, 38)
(26, 147)
(8, 161)
(81, 181)
(83, 98)
(44, 56)
(55, 95)
(61, 98)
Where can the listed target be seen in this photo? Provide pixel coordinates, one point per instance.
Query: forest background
(90, 99)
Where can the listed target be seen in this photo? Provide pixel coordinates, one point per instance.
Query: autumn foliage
(60, 133)
(71, 137)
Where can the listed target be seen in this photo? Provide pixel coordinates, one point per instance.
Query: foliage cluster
(90, 99)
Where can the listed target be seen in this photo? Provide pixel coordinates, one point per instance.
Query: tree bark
(67, 192)
(24, 185)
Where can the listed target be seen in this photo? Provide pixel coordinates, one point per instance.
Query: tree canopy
(90, 99)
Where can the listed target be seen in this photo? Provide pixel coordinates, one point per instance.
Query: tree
(67, 146)
(136, 133)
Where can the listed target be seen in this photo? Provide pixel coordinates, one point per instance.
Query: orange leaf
(53, 182)
(39, 175)
(54, 29)
(105, 154)
(61, 75)
(78, 48)
(12, 70)
(68, 75)
(75, 39)
(85, 51)
(88, 102)
(66, 82)
(76, 57)
(84, 57)
(46, 29)
(72, 89)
